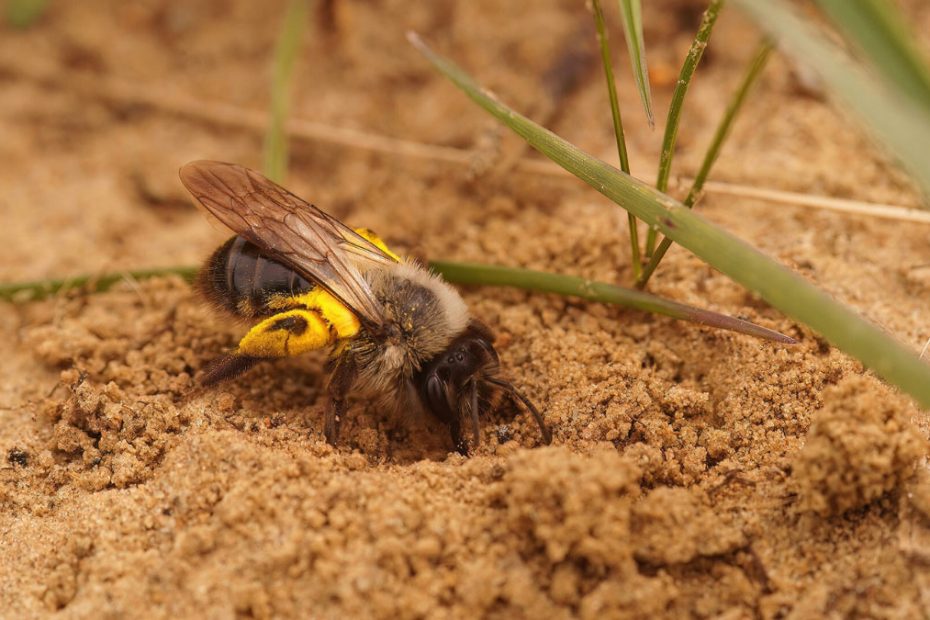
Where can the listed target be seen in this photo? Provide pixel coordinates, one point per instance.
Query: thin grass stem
(677, 105)
(618, 127)
(21, 292)
(571, 286)
(632, 13)
(285, 56)
(755, 68)
(611, 85)
(123, 93)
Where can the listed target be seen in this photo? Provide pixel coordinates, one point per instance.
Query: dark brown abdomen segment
(239, 278)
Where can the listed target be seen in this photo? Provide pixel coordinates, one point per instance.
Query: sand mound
(861, 445)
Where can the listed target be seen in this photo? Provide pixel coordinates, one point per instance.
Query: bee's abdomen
(239, 278)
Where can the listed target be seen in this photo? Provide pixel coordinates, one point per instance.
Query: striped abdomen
(239, 278)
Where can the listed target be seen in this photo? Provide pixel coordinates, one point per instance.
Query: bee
(400, 336)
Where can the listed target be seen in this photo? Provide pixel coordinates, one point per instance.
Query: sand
(693, 473)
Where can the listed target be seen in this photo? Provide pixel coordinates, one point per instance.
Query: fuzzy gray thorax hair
(424, 314)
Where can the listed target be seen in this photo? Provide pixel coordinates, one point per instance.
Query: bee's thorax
(424, 314)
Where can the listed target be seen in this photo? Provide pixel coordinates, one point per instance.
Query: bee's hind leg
(340, 382)
(285, 334)
(227, 367)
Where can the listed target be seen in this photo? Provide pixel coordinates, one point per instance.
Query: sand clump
(861, 445)
(699, 532)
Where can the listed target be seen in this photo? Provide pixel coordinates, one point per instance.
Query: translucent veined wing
(290, 230)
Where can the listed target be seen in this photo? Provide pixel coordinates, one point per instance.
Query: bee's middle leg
(335, 409)
(340, 382)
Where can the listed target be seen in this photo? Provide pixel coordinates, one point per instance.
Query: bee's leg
(286, 334)
(282, 335)
(437, 403)
(455, 429)
(475, 421)
(340, 382)
(335, 409)
(226, 367)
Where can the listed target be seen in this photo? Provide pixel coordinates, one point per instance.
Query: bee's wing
(290, 230)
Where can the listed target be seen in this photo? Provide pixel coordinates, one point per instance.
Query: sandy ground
(694, 473)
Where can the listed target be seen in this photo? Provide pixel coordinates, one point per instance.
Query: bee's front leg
(340, 382)
(458, 440)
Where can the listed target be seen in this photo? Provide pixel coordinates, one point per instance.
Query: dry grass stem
(125, 92)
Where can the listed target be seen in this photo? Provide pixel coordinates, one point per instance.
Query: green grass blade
(879, 31)
(571, 286)
(611, 85)
(21, 292)
(695, 53)
(286, 50)
(901, 124)
(783, 289)
(756, 65)
(24, 13)
(632, 13)
(459, 273)
(618, 126)
(723, 129)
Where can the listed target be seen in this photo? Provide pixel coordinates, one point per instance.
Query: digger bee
(401, 337)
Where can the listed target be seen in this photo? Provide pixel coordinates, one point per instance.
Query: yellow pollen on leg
(287, 334)
(344, 322)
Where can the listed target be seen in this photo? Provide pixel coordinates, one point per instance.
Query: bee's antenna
(514, 393)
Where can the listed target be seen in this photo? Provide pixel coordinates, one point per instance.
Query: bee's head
(456, 381)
